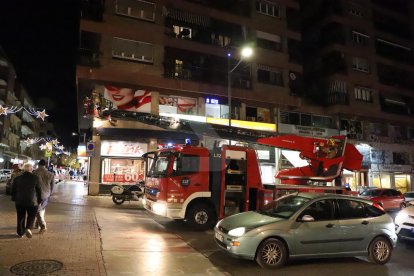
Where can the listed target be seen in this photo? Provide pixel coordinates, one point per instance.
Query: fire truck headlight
(237, 232)
(159, 208)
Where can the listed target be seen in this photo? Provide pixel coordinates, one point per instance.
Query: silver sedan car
(308, 225)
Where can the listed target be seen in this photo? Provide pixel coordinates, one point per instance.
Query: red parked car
(389, 199)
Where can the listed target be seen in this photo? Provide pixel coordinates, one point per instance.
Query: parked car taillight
(379, 206)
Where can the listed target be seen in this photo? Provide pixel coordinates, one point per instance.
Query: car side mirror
(307, 218)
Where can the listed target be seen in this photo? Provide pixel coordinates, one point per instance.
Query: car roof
(331, 195)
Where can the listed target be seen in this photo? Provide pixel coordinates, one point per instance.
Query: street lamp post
(245, 53)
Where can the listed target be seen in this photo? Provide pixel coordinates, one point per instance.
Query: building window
(132, 50)
(293, 118)
(411, 134)
(182, 32)
(136, 9)
(270, 75)
(360, 38)
(257, 114)
(268, 8)
(268, 41)
(363, 94)
(356, 9)
(360, 64)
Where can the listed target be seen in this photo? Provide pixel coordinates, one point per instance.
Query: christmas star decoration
(29, 141)
(61, 148)
(42, 146)
(42, 114)
(3, 110)
(55, 142)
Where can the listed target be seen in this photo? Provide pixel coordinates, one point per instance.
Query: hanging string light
(49, 144)
(32, 111)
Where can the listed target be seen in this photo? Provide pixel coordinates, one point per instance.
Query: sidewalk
(89, 235)
(72, 239)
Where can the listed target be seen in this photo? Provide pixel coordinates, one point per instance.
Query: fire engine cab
(200, 186)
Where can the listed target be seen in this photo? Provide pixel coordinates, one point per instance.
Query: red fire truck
(200, 186)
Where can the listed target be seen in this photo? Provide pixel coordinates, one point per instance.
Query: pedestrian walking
(47, 182)
(26, 194)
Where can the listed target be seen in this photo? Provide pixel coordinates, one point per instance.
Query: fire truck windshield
(159, 165)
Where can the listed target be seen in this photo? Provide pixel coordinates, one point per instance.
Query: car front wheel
(379, 250)
(272, 253)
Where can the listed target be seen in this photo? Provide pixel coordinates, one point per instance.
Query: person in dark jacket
(47, 182)
(26, 194)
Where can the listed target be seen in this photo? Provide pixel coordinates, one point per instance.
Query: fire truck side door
(184, 176)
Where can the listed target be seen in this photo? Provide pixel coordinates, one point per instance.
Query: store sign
(127, 177)
(123, 148)
(391, 168)
(212, 101)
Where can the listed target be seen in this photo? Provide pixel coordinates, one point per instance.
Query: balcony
(238, 7)
(334, 62)
(200, 28)
(333, 33)
(394, 51)
(392, 26)
(179, 64)
(398, 6)
(93, 10)
(393, 76)
(89, 51)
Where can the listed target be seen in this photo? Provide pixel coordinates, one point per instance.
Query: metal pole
(229, 92)
(229, 86)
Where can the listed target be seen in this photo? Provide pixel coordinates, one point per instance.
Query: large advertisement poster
(177, 105)
(128, 99)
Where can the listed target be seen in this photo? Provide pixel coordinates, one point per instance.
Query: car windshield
(284, 207)
(159, 165)
(371, 193)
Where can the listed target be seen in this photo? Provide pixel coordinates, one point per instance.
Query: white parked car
(5, 174)
(404, 223)
(409, 196)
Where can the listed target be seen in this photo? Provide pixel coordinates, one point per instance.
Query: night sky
(41, 38)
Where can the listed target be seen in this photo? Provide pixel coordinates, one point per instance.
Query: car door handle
(365, 222)
(330, 225)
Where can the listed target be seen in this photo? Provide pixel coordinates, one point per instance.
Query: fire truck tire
(271, 253)
(200, 216)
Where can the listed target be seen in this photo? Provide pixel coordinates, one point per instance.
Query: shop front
(393, 176)
(121, 163)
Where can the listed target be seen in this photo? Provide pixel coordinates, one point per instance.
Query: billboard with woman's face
(128, 99)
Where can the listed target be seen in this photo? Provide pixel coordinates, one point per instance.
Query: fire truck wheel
(271, 253)
(118, 200)
(200, 217)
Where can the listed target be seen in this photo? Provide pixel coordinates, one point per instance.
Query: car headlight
(237, 232)
(401, 216)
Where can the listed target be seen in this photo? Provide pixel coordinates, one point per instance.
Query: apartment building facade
(15, 128)
(174, 57)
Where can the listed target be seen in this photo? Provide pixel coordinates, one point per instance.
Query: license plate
(219, 237)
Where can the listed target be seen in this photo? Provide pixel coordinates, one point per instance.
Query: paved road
(134, 241)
